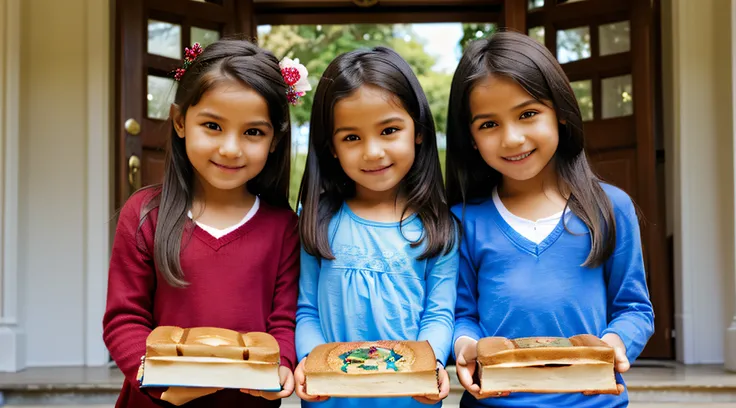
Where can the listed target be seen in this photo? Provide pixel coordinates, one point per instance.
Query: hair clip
(295, 76)
(190, 54)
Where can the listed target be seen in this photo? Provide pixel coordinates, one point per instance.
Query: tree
(476, 31)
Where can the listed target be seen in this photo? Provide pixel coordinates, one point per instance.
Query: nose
(512, 137)
(373, 150)
(230, 146)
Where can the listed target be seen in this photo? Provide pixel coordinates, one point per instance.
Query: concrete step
(652, 385)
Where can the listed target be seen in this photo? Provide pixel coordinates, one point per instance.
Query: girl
(379, 260)
(547, 248)
(216, 244)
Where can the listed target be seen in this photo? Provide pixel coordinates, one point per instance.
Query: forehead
(230, 97)
(498, 92)
(368, 104)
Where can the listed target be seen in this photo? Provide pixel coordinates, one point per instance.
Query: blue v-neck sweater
(512, 287)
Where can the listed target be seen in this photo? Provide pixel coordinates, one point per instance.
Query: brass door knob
(134, 173)
(132, 127)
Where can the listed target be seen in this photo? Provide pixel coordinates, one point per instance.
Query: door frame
(509, 13)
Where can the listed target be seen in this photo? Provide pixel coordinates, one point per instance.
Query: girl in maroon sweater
(216, 244)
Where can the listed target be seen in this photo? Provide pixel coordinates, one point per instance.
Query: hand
(621, 362)
(467, 354)
(301, 385)
(443, 386)
(182, 395)
(286, 379)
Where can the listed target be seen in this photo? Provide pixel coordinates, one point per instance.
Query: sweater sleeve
(308, 328)
(630, 313)
(128, 318)
(438, 319)
(466, 309)
(281, 321)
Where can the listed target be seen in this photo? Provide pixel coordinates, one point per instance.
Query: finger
(620, 388)
(622, 362)
(423, 400)
(444, 385)
(465, 375)
(288, 385)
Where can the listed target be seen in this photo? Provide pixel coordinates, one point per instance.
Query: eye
(389, 131)
(351, 138)
(528, 114)
(488, 125)
(211, 126)
(254, 132)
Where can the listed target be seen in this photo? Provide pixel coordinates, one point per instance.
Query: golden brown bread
(212, 342)
(413, 356)
(499, 350)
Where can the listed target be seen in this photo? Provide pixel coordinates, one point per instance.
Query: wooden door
(150, 41)
(607, 51)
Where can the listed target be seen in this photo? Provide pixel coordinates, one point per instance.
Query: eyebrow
(490, 115)
(383, 122)
(220, 118)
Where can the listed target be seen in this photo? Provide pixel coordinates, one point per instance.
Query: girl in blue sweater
(547, 249)
(379, 258)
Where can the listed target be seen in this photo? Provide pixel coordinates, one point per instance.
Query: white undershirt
(535, 231)
(219, 233)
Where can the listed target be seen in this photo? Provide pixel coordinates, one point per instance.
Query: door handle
(134, 173)
(132, 127)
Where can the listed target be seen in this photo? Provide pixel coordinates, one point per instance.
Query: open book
(546, 365)
(210, 357)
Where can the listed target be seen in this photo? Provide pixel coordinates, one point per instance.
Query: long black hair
(224, 60)
(325, 186)
(534, 68)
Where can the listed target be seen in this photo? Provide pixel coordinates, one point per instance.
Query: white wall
(698, 119)
(64, 189)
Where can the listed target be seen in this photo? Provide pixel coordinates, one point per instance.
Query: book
(546, 365)
(372, 369)
(210, 357)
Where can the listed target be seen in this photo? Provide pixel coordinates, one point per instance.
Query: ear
(177, 119)
(274, 143)
(563, 121)
(333, 152)
(418, 139)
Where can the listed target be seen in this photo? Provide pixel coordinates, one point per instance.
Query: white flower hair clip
(295, 76)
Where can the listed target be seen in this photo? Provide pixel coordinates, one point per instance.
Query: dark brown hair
(224, 60)
(534, 68)
(325, 186)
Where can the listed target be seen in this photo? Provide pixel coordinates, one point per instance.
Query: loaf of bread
(546, 365)
(210, 357)
(372, 369)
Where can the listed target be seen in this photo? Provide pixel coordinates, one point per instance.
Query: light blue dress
(375, 289)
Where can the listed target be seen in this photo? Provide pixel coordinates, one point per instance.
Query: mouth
(377, 170)
(226, 167)
(519, 157)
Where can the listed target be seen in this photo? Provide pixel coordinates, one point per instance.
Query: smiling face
(515, 134)
(228, 136)
(374, 140)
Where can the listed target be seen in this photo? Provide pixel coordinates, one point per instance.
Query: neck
(546, 180)
(374, 198)
(217, 198)
(385, 206)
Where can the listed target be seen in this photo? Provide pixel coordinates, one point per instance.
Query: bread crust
(576, 349)
(171, 341)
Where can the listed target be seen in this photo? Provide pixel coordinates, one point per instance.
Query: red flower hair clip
(295, 76)
(190, 54)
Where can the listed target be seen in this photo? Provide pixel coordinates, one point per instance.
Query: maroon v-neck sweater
(246, 281)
